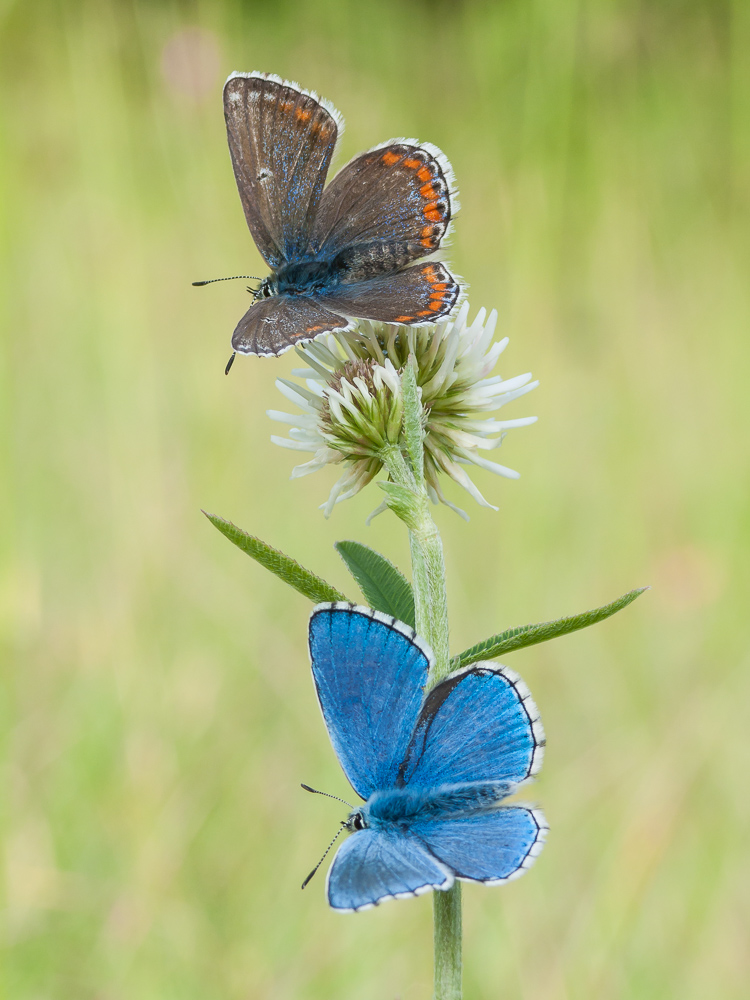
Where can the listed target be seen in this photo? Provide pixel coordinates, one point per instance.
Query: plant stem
(431, 611)
(430, 599)
(446, 915)
(431, 607)
(428, 565)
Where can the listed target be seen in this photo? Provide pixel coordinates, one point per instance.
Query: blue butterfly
(340, 252)
(433, 769)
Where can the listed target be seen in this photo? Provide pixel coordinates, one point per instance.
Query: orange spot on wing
(403, 319)
(428, 237)
(302, 116)
(431, 274)
(424, 312)
(413, 164)
(440, 286)
(425, 174)
(436, 306)
(390, 158)
(432, 212)
(428, 191)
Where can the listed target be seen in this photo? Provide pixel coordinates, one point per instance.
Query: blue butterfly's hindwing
(349, 247)
(489, 847)
(435, 771)
(374, 865)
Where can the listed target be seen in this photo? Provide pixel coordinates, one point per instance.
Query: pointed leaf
(528, 635)
(385, 587)
(402, 501)
(413, 431)
(282, 565)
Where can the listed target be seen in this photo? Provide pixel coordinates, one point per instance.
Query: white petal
(491, 386)
(510, 396)
(293, 445)
(294, 393)
(303, 434)
(334, 403)
(311, 373)
(457, 473)
(499, 470)
(296, 420)
(373, 514)
(306, 468)
(493, 426)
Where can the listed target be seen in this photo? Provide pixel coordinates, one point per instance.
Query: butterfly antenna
(343, 824)
(234, 277)
(315, 791)
(230, 362)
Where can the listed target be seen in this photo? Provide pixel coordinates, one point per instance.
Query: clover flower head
(351, 404)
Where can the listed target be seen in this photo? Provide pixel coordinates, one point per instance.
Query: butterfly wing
(373, 865)
(272, 326)
(281, 140)
(479, 724)
(386, 208)
(491, 847)
(420, 294)
(369, 671)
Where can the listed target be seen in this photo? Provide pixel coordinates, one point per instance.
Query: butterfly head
(356, 820)
(264, 290)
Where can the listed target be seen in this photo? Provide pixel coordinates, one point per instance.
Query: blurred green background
(160, 714)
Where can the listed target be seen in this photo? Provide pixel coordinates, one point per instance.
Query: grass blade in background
(385, 587)
(282, 565)
(529, 635)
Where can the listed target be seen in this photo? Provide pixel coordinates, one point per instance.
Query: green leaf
(286, 568)
(385, 587)
(402, 501)
(413, 431)
(528, 635)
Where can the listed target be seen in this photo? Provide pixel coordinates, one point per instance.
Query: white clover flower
(352, 408)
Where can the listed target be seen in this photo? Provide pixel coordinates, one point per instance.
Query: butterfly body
(434, 770)
(403, 806)
(303, 277)
(350, 249)
(319, 276)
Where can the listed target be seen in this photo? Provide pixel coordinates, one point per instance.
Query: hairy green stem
(431, 610)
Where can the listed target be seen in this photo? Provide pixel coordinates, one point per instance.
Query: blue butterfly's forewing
(369, 671)
(489, 847)
(479, 724)
(377, 864)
